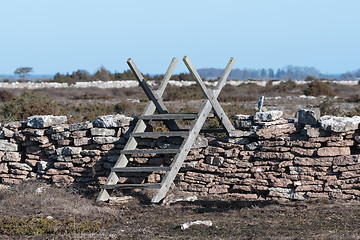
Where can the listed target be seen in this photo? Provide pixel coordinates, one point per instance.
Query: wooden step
(131, 185)
(160, 134)
(150, 151)
(168, 116)
(140, 169)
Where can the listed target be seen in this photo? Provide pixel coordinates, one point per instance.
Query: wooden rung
(160, 134)
(168, 116)
(150, 151)
(131, 185)
(139, 169)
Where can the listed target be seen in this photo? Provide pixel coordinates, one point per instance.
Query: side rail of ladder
(195, 128)
(140, 127)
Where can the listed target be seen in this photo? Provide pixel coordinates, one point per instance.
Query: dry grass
(232, 219)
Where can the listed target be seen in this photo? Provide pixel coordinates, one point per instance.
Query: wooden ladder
(189, 135)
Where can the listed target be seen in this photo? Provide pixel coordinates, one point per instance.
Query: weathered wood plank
(160, 134)
(140, 169)
(166, 116)
(131, 185)
(150, 151)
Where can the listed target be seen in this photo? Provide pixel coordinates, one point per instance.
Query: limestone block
(39, 139)
(4, 168)
(274, 155)
(82, 141)
(254, 145)
(288, 193)
(346, 160)
(105, 140)
(232, 153)
(339, 124)
(303, 151)
(60, 136)
(63, 165)
(80, 126)
(20, 166)
(309, 116)
(214, 160)
(90, 152)
(11, 157)
(217, 189)
(200, 142)
(35, 132)
(310, 132)
(5, 145)
(62, 180)
(276, 131)
(333, 151)
(304, 161)
(31, 163)
(44, 121)
(267, 116)
(78, 134)
(344, 143)
(118, 120)
(6, 133)
(102, 132)
(42, 166)
(13, 125)
(68, 151)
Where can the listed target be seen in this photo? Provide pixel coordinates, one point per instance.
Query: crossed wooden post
(156, 104)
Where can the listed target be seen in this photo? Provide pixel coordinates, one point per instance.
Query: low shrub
(29, 104)
(318, 88)
(6, 95)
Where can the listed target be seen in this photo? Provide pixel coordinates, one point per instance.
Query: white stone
(118, 120)
(44, 121)
(21, 166)
(5, 145)
(267, 116)
(199, 222)
(339, 124)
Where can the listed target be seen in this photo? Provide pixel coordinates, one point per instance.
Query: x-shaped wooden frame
(212, 95)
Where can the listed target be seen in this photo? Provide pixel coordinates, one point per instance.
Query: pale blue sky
(65, 35)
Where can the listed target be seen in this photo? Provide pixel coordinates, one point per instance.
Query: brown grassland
(69, 213)
(33, 210)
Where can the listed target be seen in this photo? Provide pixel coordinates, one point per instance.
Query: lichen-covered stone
(44, 121)
(102, 132)
(267, 116)
(117, 120)
(339, 124)
(20, 166)
(5, 145)
(68, 150)
(80, 126)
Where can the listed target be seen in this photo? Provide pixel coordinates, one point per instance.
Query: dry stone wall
(270, 159)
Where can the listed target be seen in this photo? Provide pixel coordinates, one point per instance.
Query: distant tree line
(287, 73)
(351, 75)
(102, 74)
